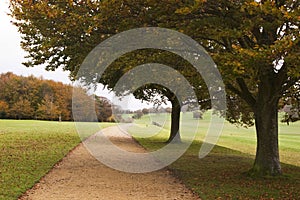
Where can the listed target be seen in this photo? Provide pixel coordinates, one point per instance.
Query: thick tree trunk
(175, 122)
(267, 161)
(267, 153)
(265, 107)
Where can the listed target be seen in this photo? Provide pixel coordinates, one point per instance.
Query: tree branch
(233, 89)
(288, 84)
(244, 93)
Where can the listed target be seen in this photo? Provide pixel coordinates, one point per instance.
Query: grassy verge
(220, 174)
(29, 149)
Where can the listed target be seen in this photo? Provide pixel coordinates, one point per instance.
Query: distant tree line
(35, 98)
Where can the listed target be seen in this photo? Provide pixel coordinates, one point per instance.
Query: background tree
(290, 104)
(3, 109)
(156, 93)
(35, 98)
(22, 109)
(176, 103)
(145, 111)
(48, 109)
(138, 114)
(103, 109)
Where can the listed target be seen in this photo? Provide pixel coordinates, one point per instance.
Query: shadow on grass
(221, 174)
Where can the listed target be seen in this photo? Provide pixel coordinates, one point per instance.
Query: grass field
(221, 175)
(233, 137)
(29, 149)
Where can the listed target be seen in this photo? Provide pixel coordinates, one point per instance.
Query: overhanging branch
(244, 93)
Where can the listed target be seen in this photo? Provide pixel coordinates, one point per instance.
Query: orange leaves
(31, 98)
(3, 109)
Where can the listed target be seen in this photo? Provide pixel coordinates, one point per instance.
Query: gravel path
(80, 176)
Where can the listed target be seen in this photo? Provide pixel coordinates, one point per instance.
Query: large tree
(254, 43)
(256, 46)
(61, 34)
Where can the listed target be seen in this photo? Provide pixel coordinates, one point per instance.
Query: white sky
(12, 56)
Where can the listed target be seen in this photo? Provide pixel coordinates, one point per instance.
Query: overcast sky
(12, 56)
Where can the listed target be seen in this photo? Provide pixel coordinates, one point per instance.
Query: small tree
(145, 111)
(138, 114)
(103, 108)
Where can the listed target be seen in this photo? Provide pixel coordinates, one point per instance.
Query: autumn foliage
(35, 98)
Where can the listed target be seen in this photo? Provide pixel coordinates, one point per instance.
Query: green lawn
(29, 149)
(221, 175)
(233, 137)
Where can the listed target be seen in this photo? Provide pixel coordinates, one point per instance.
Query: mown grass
(233, 137)
(221, 174)
(29, 149)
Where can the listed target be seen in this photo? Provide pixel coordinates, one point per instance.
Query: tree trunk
(267, 161)
(267, 153)
(175, 122)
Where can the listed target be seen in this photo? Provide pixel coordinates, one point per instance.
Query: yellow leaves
(245, 52)
(52, 13)
(89, 30)
(256, 47)
(184, 11)
(249, 52)
(71, 3)
(264, 9)
(254, 3)
(199, 2)
(188, 9)
(241, 60)
(235, 47)
(250, 7)
(288, 15)
(238, 68)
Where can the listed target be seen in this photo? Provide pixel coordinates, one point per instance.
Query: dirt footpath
(80, 176)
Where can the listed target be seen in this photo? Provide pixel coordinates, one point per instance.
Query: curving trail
(80, 176)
